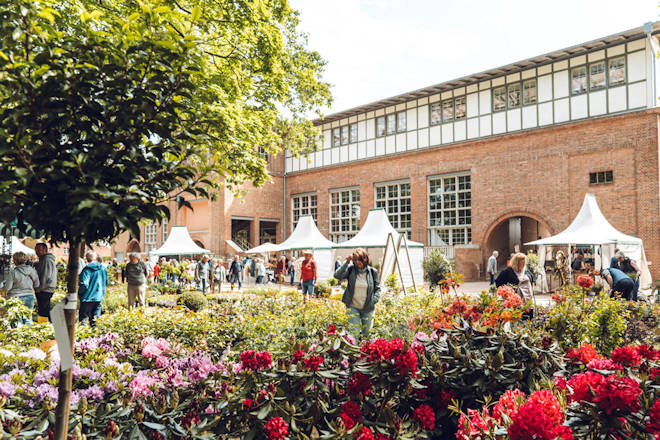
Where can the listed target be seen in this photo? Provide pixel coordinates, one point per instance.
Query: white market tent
(16, 246)
(307, 236)
(265, 249)
(590, 227)
(179, 243)
(374, 236)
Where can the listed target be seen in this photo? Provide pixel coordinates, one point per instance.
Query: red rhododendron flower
(444, 398)
(378, 436)
(298, 356)
(313, 363)
(653, 427)
(425, 416)
(474, 424)
(404, 357)
(627, 356)
(365, 434)
(618, 394)
(248, 403)
(648, 352)
(351, 414)
(512, 301)
(276, 428)
(359, 383)
(549, 404)
(559, 382)
(532, 422)
(585, 281)
(508, 403)
(254, 361)
(654, 373)
(585, 386)
(332, 329)
(584, 354)
(604, 364)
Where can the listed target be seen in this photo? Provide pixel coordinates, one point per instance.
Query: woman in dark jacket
(518, 276)
(362, 291)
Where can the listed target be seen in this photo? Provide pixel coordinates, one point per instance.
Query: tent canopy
(589, 227)
(179, 243)
(374, 233)
(17, 246)
(305, 236)
(265, 248)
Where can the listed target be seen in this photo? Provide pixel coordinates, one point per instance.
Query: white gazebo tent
(16, 246)
(264, 249)
(179, 243)
(590, 227)
(374, 237)
(307, 236)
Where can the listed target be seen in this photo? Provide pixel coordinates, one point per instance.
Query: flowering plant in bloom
(585, 281)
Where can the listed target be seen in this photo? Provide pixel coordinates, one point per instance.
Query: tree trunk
(65, 382)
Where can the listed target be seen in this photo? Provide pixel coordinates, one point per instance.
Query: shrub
(607, 324)
(12, 312)
(436, 267)
(392, 282)
(115, 298)
(194, 301)
(323, 288)
(333, 281)
(534, 264)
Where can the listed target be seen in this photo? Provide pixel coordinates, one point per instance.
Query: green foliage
(392, 282)
(116, 298)
(194, 301)
(333, 281)
(12, 312)
(534, 264)
(607, 324)
(322, 288)
(436, 267)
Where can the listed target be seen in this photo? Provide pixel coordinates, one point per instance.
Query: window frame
(311, 208)
(536, 91)
(340, 234)
(586, 80)
(351, 140)
(436, 208)
(150, 236)
(345, 129)
(494, 89)
(385, 201)
(450, 119)
(609, 71)
(601, 177)
(437, 104)
(336, 137)
(400, 129)
(384, 119)
(165, 228)
(510, 86)
(604, 85)
(462, 98)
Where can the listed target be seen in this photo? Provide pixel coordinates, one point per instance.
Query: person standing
(308, 274)
(628, 266)
(292, 270)
(235, 272)
(136, 279)
(280, 271)
(518, 276)
(202, 274)
(22, 282)
(47, 271)
(219, 275)
(362, 291)
(492, 266)
(260, 271)
(156, 271)
(619, 282)
(91, 290)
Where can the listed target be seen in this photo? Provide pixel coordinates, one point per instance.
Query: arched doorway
(133, 246)
(509, 233)
(199, 243)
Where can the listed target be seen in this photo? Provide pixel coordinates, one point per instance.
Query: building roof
(540, 60)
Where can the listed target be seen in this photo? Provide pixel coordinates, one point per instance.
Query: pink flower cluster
(153, 348)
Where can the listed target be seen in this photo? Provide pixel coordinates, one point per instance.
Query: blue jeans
(360, 321)
(236, 278)
(308, 287)
(202, 285)
(89, 310)
(28, 300)
(260, 279)
(293, 275)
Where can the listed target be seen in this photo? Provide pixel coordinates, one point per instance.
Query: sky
(380, 48)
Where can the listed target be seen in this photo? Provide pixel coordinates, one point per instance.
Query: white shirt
(360, 290)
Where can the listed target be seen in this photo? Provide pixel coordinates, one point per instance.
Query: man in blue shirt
(91, 291)
(619, 282)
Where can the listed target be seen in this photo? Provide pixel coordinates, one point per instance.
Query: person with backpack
(91, 289)
(362, 291)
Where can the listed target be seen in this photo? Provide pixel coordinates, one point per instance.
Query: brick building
(483, 162)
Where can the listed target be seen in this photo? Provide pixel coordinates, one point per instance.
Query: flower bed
(272, 367)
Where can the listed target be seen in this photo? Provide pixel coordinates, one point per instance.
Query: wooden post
(65, 378)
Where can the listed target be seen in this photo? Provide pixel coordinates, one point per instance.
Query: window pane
(393, 191)
(405, 189)
(380, 192)
(597, 75)
(460, 107)
(401, 121)
(514, 95)
(436, 113)
(609, 177)
(354, 133)
(336, 139)
(449, 184)
(593, 178)
(344, 135)
(391, 123)
(499, 98)
(449, 200)
(447, 110)
(529, 92)
(617, 71)
(458, 236)
(380, 126)
(578, 80)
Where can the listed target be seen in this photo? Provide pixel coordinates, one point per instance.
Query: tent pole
(412, 275)
(382, 263)
(396, 259)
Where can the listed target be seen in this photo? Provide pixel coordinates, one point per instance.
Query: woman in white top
(22, 282)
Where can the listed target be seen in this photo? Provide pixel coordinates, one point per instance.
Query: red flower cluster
(276, 428)
(628, 356)
(254, 361)
(532, 422)
(359, 383)
(248, 403)
(404, 357)
(604, 364)
(425, 416)
(312, 363)
(444, 397)
(474, 424)
(190, 419)
(585, 354)
(548, 404)
(332, 329)
(611, 393)
(585, 281)
(298, 356)
(506, 291)
(366, 434)
(508, 403)
(648, 352)
(653, 427)
(512, 301)
(351, 414)
(558, 298)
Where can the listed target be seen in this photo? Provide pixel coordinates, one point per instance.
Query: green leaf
(196, 13)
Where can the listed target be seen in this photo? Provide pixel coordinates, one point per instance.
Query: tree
(106, 114)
